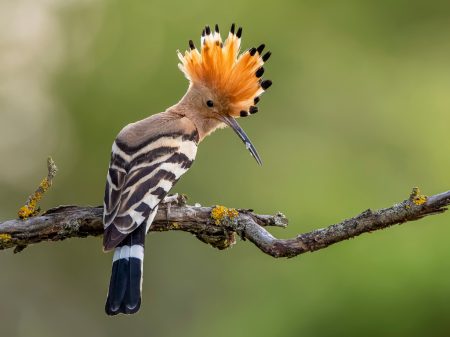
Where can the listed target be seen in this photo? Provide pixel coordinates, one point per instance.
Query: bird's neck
(204, 124)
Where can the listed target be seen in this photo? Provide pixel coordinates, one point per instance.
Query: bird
(149, 156)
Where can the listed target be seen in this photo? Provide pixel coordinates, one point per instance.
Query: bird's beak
(231, 122)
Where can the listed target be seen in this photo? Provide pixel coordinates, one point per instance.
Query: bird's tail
(124, 295)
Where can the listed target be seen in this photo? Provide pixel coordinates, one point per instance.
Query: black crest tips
(191, 44)
(266, 84)
(216, 28)
(266, 56)
(259, 72)
(261, 48)
(239, 32)
(256, 100)
(207, 30)
(232, 28)
(243, 113)
(253, 109)
(252, 51)
(203, 32)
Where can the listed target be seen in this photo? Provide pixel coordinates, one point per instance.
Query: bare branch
(217, 225)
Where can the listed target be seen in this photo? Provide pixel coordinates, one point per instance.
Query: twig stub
(31, 207)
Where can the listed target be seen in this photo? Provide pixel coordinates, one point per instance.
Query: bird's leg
(168, 201)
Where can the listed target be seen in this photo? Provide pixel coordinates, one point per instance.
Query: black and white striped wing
(115, 179)
(138, 181)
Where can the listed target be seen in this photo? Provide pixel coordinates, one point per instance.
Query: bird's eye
(210, 103)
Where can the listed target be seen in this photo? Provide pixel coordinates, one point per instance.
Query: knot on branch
(223, 238)
(220, 240)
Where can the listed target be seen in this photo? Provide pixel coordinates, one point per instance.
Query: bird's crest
(218, 65)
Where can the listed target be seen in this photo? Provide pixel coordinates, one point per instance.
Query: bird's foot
(171, 199)
(175, 199)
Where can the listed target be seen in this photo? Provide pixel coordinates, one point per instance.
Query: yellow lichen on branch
(221, 213)
(417, 198)
(5, 237)
(31, 207)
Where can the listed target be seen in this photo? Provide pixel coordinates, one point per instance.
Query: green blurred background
(357, 116)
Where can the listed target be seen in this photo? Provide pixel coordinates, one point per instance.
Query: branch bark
(218, 225)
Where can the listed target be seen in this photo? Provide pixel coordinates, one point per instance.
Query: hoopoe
(149, 156)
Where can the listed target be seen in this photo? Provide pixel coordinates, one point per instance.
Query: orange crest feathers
(218, 65)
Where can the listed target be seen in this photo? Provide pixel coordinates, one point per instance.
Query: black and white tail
(124, 295)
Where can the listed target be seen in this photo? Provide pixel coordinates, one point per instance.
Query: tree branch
(217, 225)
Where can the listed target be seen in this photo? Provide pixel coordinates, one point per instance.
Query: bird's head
(224, 84)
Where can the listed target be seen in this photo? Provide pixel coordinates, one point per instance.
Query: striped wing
(139, 179)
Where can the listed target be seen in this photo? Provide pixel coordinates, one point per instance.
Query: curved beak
(231, 122)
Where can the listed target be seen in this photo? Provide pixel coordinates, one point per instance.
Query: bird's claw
(171, 199)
